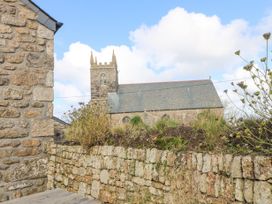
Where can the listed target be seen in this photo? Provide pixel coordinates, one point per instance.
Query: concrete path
(56, 196)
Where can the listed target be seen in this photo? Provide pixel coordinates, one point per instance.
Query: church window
(165, 117)
(126, 119)
(103, 79)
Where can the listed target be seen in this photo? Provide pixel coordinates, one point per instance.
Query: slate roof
(177, 95)
(43, 17)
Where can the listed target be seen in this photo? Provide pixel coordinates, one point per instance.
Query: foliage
(163, 124)
(136, 120)
(214, 127)
(256, 132)
(171, 143)
(90, 124)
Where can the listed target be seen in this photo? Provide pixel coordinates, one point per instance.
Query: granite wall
(120, 175)
(26, 95)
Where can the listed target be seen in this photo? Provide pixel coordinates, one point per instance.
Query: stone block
(44, 32)
(199, 159)
(4, 81)
(9, 113)
(236, 168)
(42, 128)
(95, 189)
(13, 94)
(43, 94)
(49, 82)
(5, 28)
(5, 153)
(31, 143)
(263, 168)
(227, 163)
(119, 152)
(139, 169)
(248, 191)
(24, 152)
(104, 176)
(262, 192)
(9, 143)
(13, 133)
(17, 58)
(4, 104)
(247, 167)
(239, 186)
(14, 21)
(207, 163)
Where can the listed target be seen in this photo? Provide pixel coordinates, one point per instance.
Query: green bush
(171, 143)
(214, 127)
(163, 124)
(90, 125)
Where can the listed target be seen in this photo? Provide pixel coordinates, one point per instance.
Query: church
(178, 100)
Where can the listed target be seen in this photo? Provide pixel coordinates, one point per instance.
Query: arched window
(165, 117)
(103, 79)
(125, 120)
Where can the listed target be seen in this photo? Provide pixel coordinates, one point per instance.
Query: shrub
(255, 133)
(89, 124)
(136, 120)
(214, 127)
(163, 124)
(171, 143)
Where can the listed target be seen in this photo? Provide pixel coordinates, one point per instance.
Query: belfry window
(103, 80)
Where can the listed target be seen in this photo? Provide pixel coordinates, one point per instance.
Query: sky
(154, 40)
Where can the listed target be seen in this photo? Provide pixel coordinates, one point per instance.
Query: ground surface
(56, 196)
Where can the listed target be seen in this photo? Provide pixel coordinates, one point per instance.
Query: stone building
(26, 95)
(179, 100)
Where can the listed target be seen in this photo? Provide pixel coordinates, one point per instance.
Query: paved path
(56, 196)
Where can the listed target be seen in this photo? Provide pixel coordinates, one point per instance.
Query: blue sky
(154, 40)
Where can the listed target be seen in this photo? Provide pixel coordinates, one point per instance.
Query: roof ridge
(159, 82)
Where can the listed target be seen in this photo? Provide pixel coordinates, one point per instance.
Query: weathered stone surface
(42, 128)
(248, 191)
(37, 105)
(239, 190)
(44, 32)
(4, 81)
(20, 104)
(236, 168)
(31, 143)
(104, 176)
(13, 133)
(28, 78)
(13, 94)
(14, 21)
(4, 153)
(4, 103)
(43, 94)
(9, 143)
(207, 165)
(103, 173)
(5, 28)
(263, 167)
(9, 113)
(49, 79)
(15, 58)
(262, 193)
(247, 167)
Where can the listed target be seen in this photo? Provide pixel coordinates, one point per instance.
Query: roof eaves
(43, 17)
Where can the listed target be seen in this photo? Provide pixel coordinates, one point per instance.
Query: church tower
(104, 78)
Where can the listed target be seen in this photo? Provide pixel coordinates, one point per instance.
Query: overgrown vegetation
(252, 132)
(90, 125)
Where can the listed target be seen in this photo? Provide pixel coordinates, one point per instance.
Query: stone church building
(178, 100)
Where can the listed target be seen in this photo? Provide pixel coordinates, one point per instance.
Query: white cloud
(180, 46)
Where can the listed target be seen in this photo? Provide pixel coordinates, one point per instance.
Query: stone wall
(26, 95)
(119, 175)
(150, 117)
